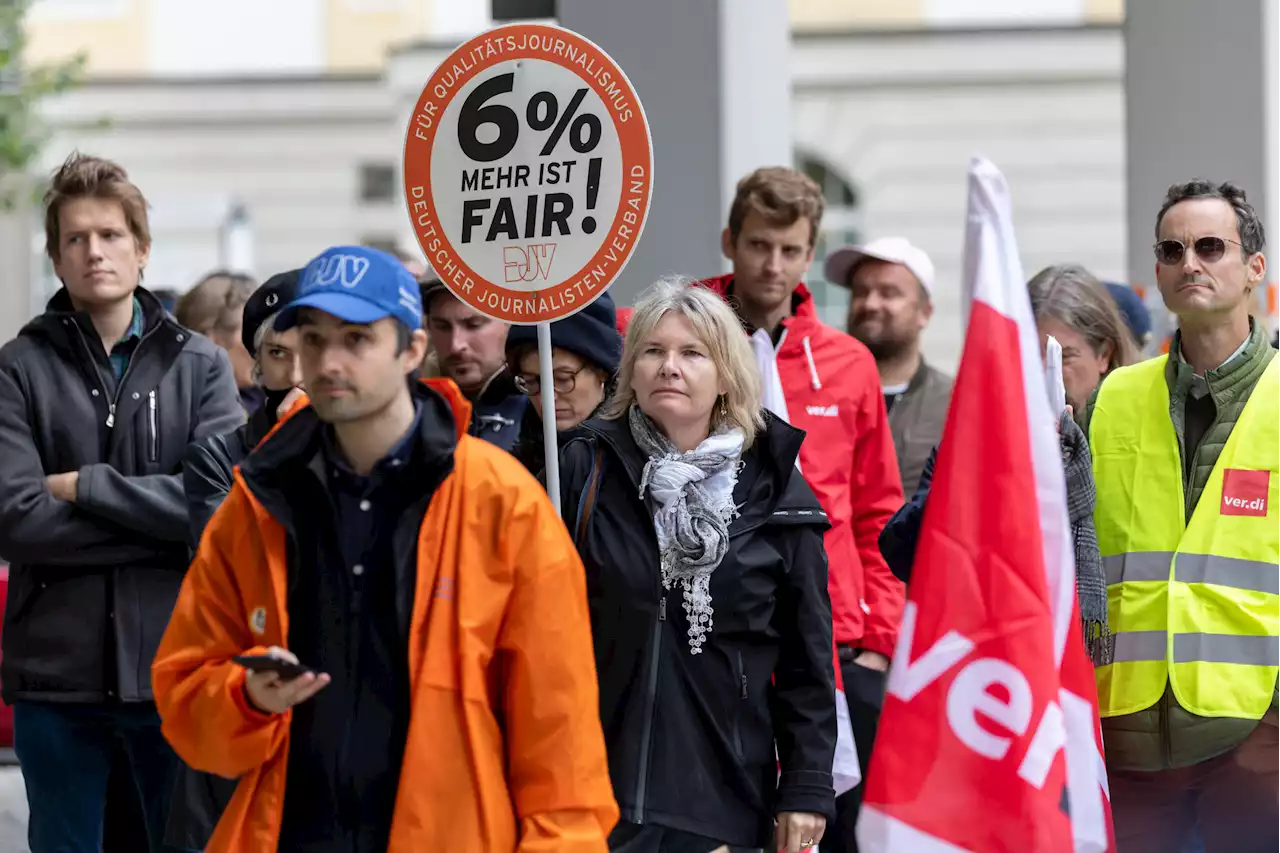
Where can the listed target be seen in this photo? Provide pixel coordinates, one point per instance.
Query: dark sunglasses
(1208, 249)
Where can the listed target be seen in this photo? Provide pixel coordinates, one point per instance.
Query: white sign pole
(549, 436)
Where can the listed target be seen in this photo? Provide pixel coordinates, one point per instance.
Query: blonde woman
(708, 594)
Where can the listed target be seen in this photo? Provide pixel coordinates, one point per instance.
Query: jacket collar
(59, 307)
(1237, 375)
(774, 455)
(803, 311)
(297, 438)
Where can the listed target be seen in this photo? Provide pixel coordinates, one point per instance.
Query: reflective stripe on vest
(1193, 605)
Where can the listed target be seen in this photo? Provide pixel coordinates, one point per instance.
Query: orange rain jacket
(504, 749)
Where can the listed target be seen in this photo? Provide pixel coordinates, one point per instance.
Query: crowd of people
(284, 575)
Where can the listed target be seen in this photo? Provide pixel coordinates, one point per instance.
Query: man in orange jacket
(426, 583)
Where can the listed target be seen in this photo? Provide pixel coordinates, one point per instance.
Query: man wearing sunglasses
(1185, 461)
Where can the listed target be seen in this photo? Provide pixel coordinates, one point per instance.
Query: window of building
(377, 183)
(841, 225)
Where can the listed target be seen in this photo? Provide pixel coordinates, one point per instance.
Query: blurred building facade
(285, 120)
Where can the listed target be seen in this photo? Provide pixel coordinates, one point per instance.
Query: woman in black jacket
(707, 582)
(585, 351)
(208, 466)
(207, 470)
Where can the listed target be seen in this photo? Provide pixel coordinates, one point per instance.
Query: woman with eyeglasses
(586, 349)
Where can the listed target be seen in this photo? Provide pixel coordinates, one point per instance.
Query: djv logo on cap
(358, 285)
(346, 270)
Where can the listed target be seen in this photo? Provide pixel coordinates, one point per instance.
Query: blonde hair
(719, 329)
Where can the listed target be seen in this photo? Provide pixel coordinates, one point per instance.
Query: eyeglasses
(1208, 249)
(563, 383)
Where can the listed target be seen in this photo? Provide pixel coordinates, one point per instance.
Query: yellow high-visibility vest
(1195, 605)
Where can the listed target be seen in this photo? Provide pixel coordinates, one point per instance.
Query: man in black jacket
(207, 469)
(471, 350)
(207, 475)
(99, 397)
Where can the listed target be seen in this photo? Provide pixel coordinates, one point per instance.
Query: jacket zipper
(737, 717)
(651, 695)
(111, 400)
(650, 703)
(651, 687)
(154, 428)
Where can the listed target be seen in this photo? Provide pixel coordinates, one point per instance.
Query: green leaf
(23, 132)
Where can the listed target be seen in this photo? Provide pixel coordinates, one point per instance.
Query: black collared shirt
(347, 742)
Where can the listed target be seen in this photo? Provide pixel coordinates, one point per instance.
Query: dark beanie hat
(1132, 311)
(275, 293)
(592, 333)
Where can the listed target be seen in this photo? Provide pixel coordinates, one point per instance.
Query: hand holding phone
(287, 670)
(277, 680)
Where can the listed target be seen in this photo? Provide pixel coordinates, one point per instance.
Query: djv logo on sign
(346, 270)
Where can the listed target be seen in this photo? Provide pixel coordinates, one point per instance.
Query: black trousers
(864, 688)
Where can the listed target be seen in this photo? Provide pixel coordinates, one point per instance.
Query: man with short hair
(890, 285)
(99, 397)
(424, 580)
(824, 382)
(1185, 461)
(470, 349)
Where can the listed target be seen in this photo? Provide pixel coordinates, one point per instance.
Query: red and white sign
(528, 171)
(1245, 492)
(989, 738)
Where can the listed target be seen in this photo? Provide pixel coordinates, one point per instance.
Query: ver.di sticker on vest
(1245, 492)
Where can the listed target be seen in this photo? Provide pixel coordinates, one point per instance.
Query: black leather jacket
(208, 465)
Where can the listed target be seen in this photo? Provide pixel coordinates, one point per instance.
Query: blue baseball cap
(358, 285)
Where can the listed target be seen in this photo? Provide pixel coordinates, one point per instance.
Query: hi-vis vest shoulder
(1194, 604)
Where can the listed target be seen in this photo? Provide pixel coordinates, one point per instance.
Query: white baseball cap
(894, 250)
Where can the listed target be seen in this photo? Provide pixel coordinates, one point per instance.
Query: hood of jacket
(770, 483)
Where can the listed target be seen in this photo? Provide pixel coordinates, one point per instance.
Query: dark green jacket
(1165, 735)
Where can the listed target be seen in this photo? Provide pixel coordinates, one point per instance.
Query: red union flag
(989, 738)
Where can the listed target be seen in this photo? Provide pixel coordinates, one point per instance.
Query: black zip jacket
(92, 583)
(208, 471)
(496, 411)
(900, 535)
(209, 466)
(691, 738)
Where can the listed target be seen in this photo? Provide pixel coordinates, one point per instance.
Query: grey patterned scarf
(693, 504)
(1091, 582)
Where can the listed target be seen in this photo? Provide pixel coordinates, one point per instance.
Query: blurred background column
(17, 303)
(1187, 117)
(714, 79)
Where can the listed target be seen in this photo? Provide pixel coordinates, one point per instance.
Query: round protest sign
(528, 171)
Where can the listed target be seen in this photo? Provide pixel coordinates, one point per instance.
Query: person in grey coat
(99, 397)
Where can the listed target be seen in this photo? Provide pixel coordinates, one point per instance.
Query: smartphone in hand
(267, 663)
